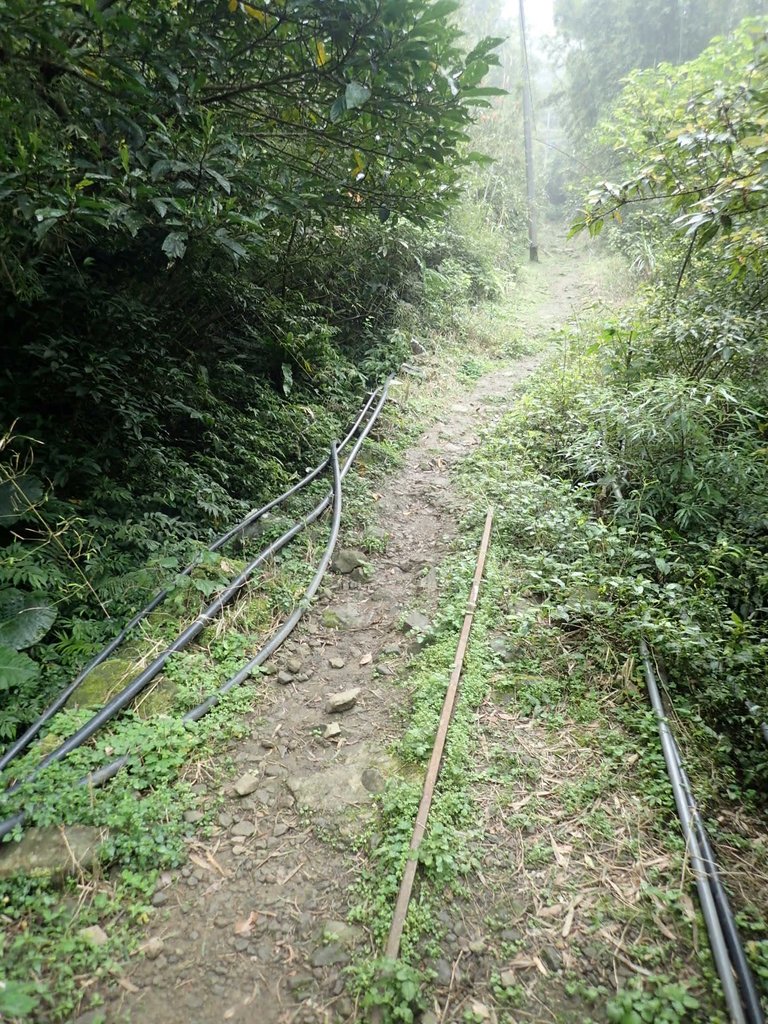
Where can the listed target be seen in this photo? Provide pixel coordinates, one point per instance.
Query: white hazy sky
(538, 15)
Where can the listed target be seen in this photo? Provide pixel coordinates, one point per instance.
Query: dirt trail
(241, 932)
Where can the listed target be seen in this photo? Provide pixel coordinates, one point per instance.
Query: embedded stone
(343, 701)
(53, 851)
(243, 828)
(94, 934)
(416, 622)
(347, 560)
(153, 948)
(246, 784)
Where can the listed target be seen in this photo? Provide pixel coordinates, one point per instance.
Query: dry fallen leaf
(554, 911)
(562, 853)
(128, 986)
(245, 927)
(366, 659)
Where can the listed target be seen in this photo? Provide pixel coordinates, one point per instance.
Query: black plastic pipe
(294, 618)
(721, 927)
(749, 993)
(21, 744)
(110, 770)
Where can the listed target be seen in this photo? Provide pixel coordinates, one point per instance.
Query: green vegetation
(220, 224)
(210, 218)
(669, 404)
(601, 41)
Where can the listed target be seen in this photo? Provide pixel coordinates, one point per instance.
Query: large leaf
(17, 497)
(356, 95)
(15, 668)
(24, 618)
(175, 244)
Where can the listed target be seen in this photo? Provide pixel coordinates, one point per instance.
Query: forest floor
(571, 883)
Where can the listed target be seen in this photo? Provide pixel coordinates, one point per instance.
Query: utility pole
(533, 240)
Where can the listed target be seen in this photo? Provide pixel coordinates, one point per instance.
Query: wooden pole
(530, 175)
(409, 874)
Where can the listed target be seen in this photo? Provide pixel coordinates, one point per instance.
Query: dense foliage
(208, 214)
(668, 409)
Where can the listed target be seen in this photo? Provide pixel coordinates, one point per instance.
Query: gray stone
(280, 829)
(477, 946)
(192, 817)
(384, 670)
(343, 701)
(159, 898)
(416, 622)
(333, 790)
(331, 730)
(429, 1017)
(346, 616)
(373, 780)
(511, 935)
(342, 933)
(329, 955)
(243, 828)
(52, 851)
(284, 678)
(508, 979)
(294, 665)
(347, 560)
(417, 348)
(552, 958)
(298, 983)
(480, 1011)
(269, 670)
(246, 784)
(503, 648)
(336, 662)
(444, 972)
(153, 948)
(94, 934)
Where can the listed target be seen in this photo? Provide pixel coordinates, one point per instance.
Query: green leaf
(233, 247)
(356, 95)
(24, 618)
(15, 668)
(338, 107)
(175, 244)
(16, 999)
(478, 158)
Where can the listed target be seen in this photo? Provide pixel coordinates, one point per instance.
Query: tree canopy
(603, 40)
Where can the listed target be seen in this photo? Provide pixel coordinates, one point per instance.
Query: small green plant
(658, 1001)
(396, 988)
